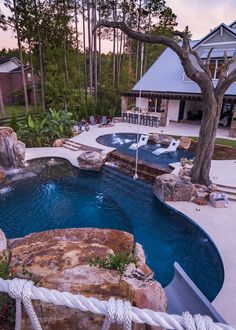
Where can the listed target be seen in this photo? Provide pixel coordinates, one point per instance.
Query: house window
(29, 76)
(215, 68)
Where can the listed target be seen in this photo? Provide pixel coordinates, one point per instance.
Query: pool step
(72, 145)
(230, 191)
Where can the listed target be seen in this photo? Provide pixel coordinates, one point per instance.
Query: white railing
(115, 310)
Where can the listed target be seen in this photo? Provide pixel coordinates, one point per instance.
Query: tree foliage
(68, 58)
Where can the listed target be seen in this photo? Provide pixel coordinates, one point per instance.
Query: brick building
(11, 83)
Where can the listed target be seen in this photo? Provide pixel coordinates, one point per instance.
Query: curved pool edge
(225, 301)
(209, 220)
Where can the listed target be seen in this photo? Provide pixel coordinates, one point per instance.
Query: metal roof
(166, 75)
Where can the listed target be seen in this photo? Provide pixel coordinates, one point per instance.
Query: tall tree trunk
(130, 61)
(146, 46)
(120, 59)
(205, 147)
(2, 108)
(21, 57)
(42, 81)
(99, 51)
(138, 44)
(65, 57)
(85, 53)
(90, 54)
(77, 41)
(114, 46)
(33, 77)
(95, 52)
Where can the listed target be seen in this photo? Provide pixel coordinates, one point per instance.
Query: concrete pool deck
(220, 224)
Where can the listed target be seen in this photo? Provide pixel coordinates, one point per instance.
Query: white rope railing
(115, 310)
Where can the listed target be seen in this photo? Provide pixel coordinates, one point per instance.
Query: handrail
(114, 310)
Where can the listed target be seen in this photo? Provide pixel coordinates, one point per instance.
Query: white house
(165, 89)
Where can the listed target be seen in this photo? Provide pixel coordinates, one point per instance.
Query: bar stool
(124, 115)
(142, 118)
(135, 118)
(147, 120)
(151, 121)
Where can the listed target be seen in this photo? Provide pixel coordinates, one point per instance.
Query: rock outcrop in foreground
(176, 188)
(91, 160)
(59, 259)
(12, 151)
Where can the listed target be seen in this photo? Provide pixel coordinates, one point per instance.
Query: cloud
(202, 15)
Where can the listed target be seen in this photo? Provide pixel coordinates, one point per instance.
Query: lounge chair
(142, 142)
(92, 120)
(172, 147)
(104, 121)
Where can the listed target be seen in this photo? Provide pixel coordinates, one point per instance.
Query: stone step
(230, 191)
(68, 146)
(73, 143)
(221, 186)
(231, 197)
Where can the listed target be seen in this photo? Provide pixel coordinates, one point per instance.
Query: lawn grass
(220, 141)
(17, 110)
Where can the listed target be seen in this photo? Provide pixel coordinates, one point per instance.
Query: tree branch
(200, 77)
(225, 82)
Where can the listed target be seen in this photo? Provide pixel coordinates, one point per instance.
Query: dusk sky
(199, 15)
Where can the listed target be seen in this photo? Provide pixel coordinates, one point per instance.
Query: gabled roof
(18, 69)
(232, 24)
(222, 25)
(166, 75)
(4, 60)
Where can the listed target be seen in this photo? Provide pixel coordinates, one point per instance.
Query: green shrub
(117, 261)
(42, 131)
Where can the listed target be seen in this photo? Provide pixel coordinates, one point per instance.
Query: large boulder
(2, 174)
(3, 241)
(170, 187)
(184, 142)
(58, 143)
(91, 160)
(19, 151)
(162, 139)
(12, 151)
(59, 259)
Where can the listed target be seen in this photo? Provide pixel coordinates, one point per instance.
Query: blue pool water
(122, 142)
(110, 199)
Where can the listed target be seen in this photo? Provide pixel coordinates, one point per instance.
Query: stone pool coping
(218, 223)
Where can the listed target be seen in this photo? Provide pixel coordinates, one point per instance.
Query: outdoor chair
(142, 119)
(143, 140)
(92, 120)
(156, 122)
(124, 115)
(147, 120)
(104, 120)
(172, 147)
(135, 118)
(151, 121)
(130, 116)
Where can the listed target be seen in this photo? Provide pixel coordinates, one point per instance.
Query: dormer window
(215, 68)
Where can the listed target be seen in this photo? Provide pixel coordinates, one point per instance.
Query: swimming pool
(60, 196)
(122, 142)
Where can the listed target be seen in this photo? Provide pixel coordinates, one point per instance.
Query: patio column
(164, 112)
(232, 129)
(124, 103)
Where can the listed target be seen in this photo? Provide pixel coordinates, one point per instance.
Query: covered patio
(174, 107)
